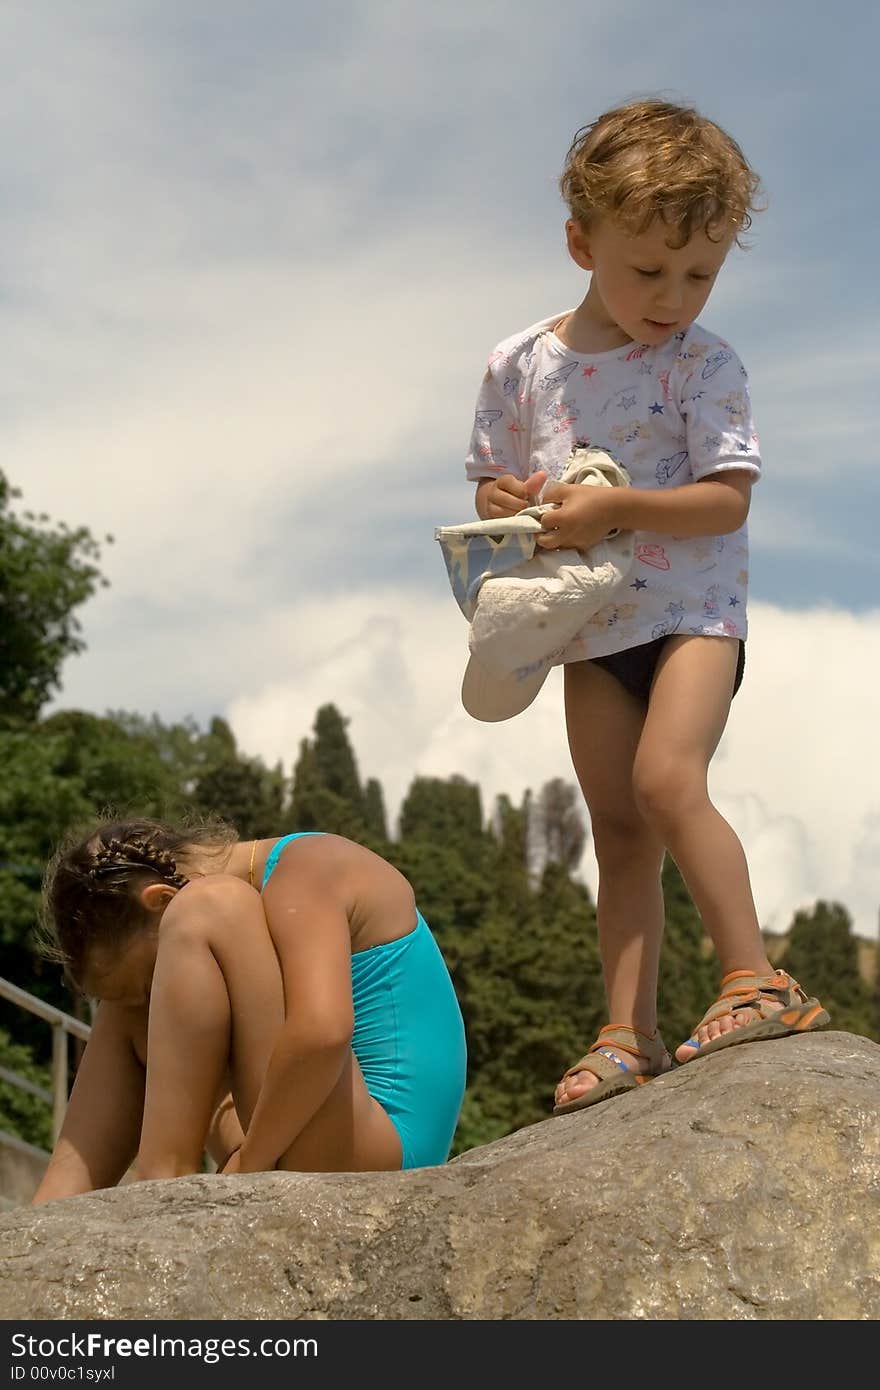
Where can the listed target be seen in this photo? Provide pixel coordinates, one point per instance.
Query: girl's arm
(313, 941)
(99, 1137)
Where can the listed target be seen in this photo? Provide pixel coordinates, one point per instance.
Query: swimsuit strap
(277, 848)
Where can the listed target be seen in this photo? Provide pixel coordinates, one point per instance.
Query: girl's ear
(156, 896)
(578, 241)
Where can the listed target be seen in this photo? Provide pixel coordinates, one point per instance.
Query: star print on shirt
(656, 408)
(639, 584)
(589, 371)
(733, 601)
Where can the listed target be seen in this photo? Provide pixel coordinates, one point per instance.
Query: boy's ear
(578, 240)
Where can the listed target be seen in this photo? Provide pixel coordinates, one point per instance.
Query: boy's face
(645, 287)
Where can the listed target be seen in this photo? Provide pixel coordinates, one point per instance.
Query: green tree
(46, 573)
(23, 1114)
(374, 811)
(313, 806)
(334, 757)
(241, 790)
(822, 954)
(445, 811)
(557, 831)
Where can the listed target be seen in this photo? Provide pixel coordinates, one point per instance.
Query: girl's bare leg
(604, 727)
(689, 705)
(217, 1004)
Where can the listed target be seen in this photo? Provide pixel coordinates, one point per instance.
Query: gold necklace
(251, 869)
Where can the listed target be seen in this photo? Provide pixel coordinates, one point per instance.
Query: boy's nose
(671, 297)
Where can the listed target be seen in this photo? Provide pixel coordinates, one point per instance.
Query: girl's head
(651, 159)
(104, 895)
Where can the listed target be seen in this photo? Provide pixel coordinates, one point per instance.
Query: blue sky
(255, 256)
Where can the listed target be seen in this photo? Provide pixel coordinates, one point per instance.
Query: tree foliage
(822, 952)
(46, 573)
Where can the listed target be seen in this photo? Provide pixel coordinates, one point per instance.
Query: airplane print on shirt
(558, 377)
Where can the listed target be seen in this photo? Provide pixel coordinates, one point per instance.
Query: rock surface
(745, 1185)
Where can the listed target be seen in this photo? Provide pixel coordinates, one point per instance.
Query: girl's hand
(582, 517)
(507, 495)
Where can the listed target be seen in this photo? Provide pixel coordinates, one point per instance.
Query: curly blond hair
(651, 158)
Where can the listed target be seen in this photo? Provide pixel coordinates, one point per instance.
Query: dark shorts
(635, 667)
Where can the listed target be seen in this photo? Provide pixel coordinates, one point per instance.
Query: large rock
(744, 1185)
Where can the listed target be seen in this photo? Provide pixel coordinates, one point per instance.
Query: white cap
(526, 604)
(524, 621)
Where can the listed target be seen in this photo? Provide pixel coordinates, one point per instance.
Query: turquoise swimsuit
(408, 1035)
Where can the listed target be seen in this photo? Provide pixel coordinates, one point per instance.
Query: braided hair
(93, 881)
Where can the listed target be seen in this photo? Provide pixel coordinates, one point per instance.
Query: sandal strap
(763, 994)
(602, 1065)
(616, 1038)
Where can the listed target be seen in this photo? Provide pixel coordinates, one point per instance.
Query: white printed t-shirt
(670, 415)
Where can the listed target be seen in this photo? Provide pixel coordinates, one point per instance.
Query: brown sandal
(781, 1004)
(611, 1070)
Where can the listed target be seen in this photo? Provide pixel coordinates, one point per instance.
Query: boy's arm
(712, 507)
(497, 459)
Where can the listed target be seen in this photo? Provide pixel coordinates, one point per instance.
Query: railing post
(59, 1078)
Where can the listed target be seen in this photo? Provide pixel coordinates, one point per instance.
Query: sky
(255, 256)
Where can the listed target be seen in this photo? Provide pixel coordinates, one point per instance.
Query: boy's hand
(507, 495)
(583, 515)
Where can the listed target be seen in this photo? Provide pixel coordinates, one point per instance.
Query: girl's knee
(209, 902)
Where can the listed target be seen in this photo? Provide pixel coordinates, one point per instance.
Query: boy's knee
(617, 838)
(665, 790)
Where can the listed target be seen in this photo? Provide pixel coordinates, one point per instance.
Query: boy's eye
(695, 276)
(649, 273)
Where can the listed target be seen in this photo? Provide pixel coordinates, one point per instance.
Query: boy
(657, 196)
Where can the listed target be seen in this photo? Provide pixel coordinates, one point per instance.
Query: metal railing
(61, 1024)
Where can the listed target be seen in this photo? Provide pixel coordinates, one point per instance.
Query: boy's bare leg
(689, 705)
(604, 727)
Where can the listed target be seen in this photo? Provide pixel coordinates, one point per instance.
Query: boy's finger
(509, 484)
(557, 492)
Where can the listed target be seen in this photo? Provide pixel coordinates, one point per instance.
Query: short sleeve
(495, 446)
(718, 411)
